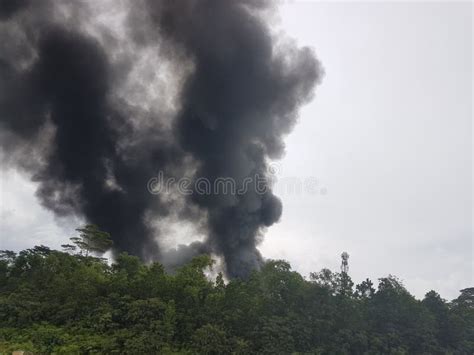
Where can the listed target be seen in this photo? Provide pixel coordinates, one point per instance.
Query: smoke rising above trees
(97, 97)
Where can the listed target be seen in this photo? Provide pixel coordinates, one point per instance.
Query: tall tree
(91, 240)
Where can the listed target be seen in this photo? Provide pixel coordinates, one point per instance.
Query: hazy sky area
(388, 137)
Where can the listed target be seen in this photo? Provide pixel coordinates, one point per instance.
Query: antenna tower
(345, 263)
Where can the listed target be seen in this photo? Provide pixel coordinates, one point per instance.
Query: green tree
(210, 340)
(58, 302)
(462, 319)
(91, 240)
(365, 289)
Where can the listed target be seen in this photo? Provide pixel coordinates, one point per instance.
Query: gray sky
(388, 135)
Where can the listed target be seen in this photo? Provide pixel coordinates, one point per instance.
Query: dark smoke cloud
(94, 151)
(9, 8)
(68, 86)
(239, 101)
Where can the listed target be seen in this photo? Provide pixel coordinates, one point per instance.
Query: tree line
(74, 302)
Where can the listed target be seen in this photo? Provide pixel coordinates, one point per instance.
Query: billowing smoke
(70, 116)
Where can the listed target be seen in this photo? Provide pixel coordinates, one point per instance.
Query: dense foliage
(69, 302)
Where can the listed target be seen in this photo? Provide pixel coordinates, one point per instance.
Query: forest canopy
(73, 301)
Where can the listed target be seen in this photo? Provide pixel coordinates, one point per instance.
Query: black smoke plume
(67, 117)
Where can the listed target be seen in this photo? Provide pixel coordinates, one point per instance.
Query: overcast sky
(388, 137)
